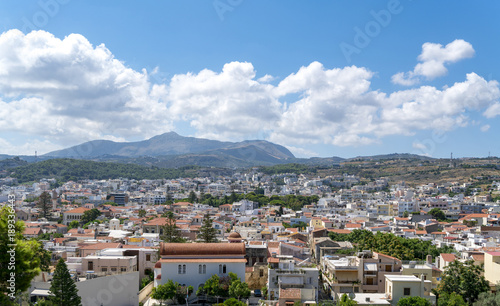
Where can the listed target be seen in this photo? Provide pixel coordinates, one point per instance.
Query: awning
(41, 292)
(370, 266)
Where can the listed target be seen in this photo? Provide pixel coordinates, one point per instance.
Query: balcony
(346, 268)
(280, 271)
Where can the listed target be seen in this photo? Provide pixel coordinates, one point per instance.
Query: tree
(345, 300)
(406, 214)
(63, 287)
(207, 232)
(142, 213)
(238, 290)
(413, 301)
(233, 302)
(45, 204)
(165, 292)
(44, 256)
(192, 198)
(464, 279)
(437, 214)
(171, 233)
(13, 246)
(486, 299)
(452, 299)
(211, 286)
(73, 224)
(90, 215)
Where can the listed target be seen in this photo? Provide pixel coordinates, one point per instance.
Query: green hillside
(71, 169)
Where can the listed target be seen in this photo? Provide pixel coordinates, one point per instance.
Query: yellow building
(492, 267)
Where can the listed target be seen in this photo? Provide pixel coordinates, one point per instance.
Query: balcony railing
(345, 267)
(281, 271)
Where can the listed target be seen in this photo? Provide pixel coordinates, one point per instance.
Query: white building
(191, 264)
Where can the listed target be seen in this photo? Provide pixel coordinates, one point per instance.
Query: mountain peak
(171, 143)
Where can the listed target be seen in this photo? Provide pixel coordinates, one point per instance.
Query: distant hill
(72, 169)
(11, 163)
(394, 156)
(172, 150)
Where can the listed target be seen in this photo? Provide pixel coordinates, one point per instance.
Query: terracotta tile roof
(478, 257)
(32, 231)
(387, 256)
(255, 243)
(273, 260)
(60, 240)
(340, 231)
(290, 293)
(273, 244)
(196, 260)
(448, 257)
(79, 210)
(353, 225)
(157, 221)
(197, 249)
(101, 246)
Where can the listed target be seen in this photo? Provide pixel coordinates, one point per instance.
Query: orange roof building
(194, 263)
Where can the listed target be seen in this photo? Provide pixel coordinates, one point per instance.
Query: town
(261, 239)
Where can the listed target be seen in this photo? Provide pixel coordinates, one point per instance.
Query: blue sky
(323, 78)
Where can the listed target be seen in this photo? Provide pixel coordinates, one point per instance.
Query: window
(113, 269)
(261, 273)
(224, 269)
(202, 269)
(179, 269)
(220, 269)
(90, 266)
(123, 269)
(183, 269)
(104, 269)
(148, 257)
(406, 291)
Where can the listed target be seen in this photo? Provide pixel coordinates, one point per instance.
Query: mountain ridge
(171, 147)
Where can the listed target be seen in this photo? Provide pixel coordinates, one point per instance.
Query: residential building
(289, 282)
(191, 264)
(400, 286)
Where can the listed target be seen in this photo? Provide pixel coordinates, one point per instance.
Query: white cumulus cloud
(225, 105)
(69, 91)
(432, 61)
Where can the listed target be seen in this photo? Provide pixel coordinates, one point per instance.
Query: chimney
(422, 285)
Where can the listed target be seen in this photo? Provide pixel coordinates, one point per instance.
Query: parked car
(257, 293)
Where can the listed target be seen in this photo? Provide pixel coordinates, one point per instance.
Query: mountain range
(173, 150)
